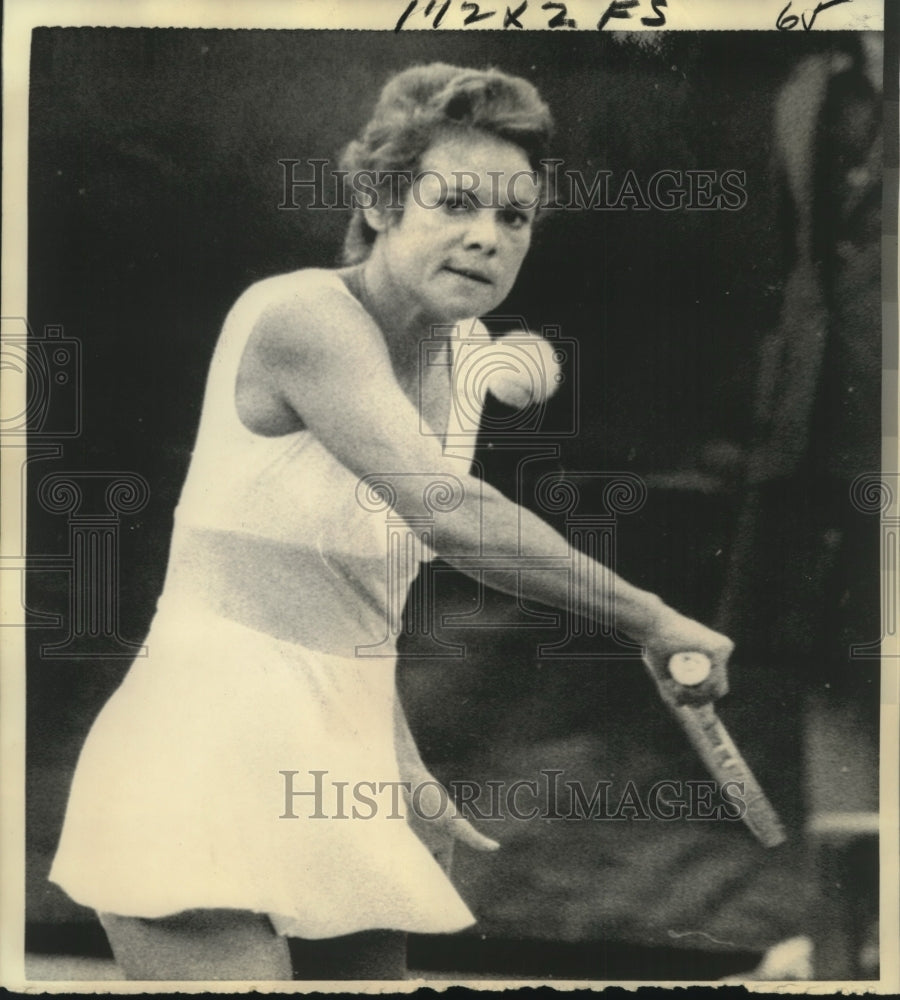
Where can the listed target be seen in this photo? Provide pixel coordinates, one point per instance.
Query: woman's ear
(375, 217)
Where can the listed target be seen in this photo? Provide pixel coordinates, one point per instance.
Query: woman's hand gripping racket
(689, 673)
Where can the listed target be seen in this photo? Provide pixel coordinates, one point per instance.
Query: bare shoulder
(307, 337)
(305, 314)
(304, 289)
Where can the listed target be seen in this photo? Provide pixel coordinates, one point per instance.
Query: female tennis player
(216, 810)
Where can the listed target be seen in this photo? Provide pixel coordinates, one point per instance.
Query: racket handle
(690, 669)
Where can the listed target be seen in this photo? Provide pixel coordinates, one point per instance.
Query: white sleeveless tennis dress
(257, 663)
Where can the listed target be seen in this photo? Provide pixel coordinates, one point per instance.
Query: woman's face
(465, 228)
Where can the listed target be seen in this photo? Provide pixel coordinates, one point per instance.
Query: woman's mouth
(472, 275)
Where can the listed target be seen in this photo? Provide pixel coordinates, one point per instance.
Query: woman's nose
(481, 232)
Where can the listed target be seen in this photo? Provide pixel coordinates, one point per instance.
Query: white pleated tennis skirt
(179, 800)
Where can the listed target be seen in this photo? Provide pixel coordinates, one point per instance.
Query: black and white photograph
(450, 495)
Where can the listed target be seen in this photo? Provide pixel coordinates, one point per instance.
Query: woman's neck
(401, 317)
(405, 327)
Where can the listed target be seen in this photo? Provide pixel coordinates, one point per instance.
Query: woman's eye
(513, 218)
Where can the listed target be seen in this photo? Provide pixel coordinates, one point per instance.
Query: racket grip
(690, 669)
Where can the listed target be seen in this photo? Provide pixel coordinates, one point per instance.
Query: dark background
(154, 190)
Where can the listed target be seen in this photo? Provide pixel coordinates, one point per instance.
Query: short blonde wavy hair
(423, 102)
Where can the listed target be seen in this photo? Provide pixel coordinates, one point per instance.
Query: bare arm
(327, 360)
(412, 767)
(430, 811)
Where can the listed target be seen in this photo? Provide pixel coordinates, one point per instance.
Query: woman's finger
(465, 833)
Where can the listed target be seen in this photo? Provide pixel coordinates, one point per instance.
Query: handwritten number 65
(785, 21)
